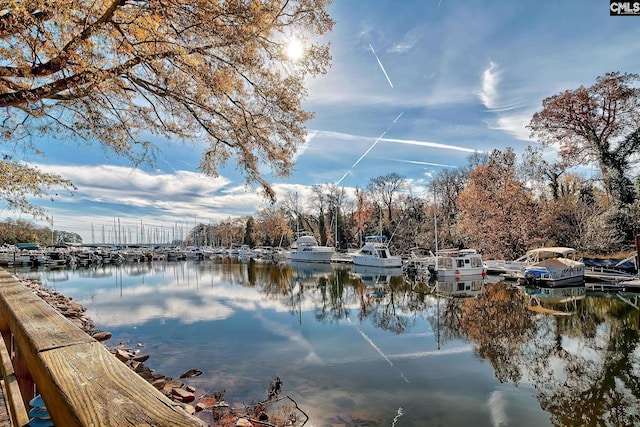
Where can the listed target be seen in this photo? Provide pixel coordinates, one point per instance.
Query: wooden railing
(80, 381)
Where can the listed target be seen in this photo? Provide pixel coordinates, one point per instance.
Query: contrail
(375, 346)
(370, 148)
(381, 67)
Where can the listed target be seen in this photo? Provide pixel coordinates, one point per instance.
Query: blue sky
(438, 78)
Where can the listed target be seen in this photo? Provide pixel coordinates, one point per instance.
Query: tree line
(14, 231)
(499, 204)
(494, 204)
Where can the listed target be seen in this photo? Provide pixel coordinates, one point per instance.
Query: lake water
(361, 348)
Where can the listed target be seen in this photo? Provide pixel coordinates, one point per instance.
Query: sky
(415, 87)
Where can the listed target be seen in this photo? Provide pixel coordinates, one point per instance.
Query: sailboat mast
(435, 217)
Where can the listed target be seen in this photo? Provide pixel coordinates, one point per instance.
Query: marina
(353, 344)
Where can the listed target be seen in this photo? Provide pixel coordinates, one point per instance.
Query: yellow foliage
(105, 70)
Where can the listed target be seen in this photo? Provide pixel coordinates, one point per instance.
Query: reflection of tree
(387, 310)
(387, 317)
(599, 383)
(585, 367)
(331, 306)
(449, 311)
(500, 326)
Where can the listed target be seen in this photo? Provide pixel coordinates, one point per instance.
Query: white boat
(551, 267)
(459, 262)
(245, 251)
(307, 249)
(420, 262)
(375, 253)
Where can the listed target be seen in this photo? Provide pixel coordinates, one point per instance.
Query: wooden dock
(5, 418)
(80, 381)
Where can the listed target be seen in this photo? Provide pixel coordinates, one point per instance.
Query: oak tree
(600, 124)
(117, 71)
(497, 212)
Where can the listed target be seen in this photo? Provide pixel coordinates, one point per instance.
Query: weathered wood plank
(80, 381)
(88, 376)
(13, 398)
(43, 327)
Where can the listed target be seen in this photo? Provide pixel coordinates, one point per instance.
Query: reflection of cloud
(295, 336)
(174, 299)
(497, 405)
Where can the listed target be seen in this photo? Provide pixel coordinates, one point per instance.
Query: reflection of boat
(467, 286)
(375, 253)
(312, 268)
(555, 300)
(459, 262)
(369, 270)
(307, 249)
(375, 276)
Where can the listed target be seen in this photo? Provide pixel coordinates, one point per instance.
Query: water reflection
(353, 345)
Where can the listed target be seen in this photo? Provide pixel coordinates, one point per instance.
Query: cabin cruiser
(375, 253)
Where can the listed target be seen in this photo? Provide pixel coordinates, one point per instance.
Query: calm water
(361, 348)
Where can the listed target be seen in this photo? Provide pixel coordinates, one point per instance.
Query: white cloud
(514, 124)
(490, 80)
(411, 38)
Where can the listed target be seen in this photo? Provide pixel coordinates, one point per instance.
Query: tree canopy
(115, 72)
(600, 124)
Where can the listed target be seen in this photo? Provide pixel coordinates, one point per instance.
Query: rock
(243, 422)
(200, 406)
(191, 373)
(191, 388)
(189, 409)
(141, 358)
(102, 336)
(159, 383)
(208, 402)
(183, 395)
(170, 385)
(122, 355)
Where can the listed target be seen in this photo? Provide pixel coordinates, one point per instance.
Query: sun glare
(295, 49)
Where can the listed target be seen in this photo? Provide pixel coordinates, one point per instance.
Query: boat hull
(371, 261)
(314, 255)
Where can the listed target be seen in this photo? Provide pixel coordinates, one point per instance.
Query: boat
(307, 249)
(375, 253)
(458, 262)
(545, 266)
(551, 267)
(420, 261)
(609, 269)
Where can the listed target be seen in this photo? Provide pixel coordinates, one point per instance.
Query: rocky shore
(274, 411)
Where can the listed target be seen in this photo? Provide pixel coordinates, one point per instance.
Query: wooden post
(23, 376)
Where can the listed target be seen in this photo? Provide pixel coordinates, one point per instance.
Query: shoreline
(208, 406)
